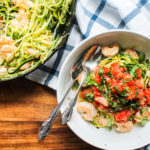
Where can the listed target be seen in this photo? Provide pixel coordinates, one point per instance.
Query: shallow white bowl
(103, 138)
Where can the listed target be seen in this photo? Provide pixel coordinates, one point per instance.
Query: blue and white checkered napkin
(93, 17)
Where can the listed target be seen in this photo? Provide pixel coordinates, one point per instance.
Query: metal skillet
(63, 30)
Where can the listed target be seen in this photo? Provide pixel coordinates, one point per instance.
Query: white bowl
(103, 138)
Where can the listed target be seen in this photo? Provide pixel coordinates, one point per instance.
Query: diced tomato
(147, 92)
(102, 100)
(101, 107)
(143, 102)
(139, 83)
(141, 97)
(96, 91)
(115, 68)
(147, 95)
(106, 70)
(98, 79)
(131, 92)
(123, 69)
(147, 100)
(96, 104)
(119, 75)
(108, 79)
(132, 82)
(84, 92)
(124, 115)
(115, 65)
(127, 76)
(140, 93)
(139, 71)
(117, 84)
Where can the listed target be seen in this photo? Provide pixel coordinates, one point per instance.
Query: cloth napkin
(93, 17)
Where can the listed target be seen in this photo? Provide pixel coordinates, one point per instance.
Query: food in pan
(28, 33)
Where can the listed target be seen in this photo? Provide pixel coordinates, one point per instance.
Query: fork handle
(46, 126)
(67, 114)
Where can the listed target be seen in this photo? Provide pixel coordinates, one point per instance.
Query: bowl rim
(72, 53)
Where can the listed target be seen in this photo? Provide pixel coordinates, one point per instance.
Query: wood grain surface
(24, 105)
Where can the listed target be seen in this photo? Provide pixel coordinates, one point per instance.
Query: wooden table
(23, 106)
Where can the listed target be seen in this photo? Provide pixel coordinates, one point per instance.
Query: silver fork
(90, 61)
(46, 126)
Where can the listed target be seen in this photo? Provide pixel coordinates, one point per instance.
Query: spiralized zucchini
(32, 25)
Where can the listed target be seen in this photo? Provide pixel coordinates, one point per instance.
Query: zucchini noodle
(33, 27)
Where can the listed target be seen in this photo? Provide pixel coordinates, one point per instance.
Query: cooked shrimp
(124, 126)
(110, 51)
(25, 3)
(5, 40)
(19, 24)
(87, 110)
(132, 53)
(25, 66)
(32, 51)
(3, 70)
(21, 21)
(139, 116)
(103, 121)
(6, 51)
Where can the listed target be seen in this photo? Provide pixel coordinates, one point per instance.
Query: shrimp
(139, 116)
(25, 3)
(19, 24)
(110, 51)
(6, 46)
(25, 66)
(87, 110)
(132, 53)
(21, 21)
(5, 40)
(6, 51)
(124, 126)
(31, 51)
(103, 121)
(3, 70)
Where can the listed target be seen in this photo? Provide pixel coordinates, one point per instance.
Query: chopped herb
(137, 92)
(109, 75)
(89, 97)
(17, 36)
(103, 80)
(143, 109)
(131, 117)
(90, 81)
(141, 58)
(133, 72)
(144, 121)
(114, 105)
(100, 72)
